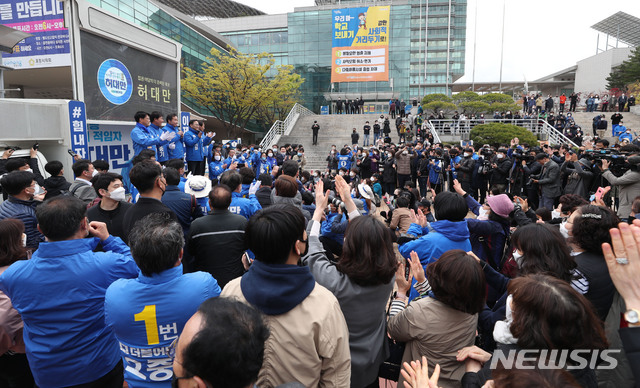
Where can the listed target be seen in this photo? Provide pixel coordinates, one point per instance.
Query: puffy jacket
(178, 151)
(24, 211)
(143, 137)
(500, 174)
(403, 163)
(195, 145)
(60, 295)
(167, 299)
(244, 206)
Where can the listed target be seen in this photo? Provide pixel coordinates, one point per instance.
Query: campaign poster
(44, 19)
(120, 80)
(360, 49)
(110, 142)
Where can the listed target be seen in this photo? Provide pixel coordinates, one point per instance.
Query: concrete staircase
(334, 129)
(585, 120)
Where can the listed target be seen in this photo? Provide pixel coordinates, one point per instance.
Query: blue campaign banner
(324, 110)
(112, 143)
(78, 128)
(44, 19)
(346, 24)
(185, 117)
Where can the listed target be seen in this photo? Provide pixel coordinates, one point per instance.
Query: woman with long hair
(362, 281)
(14, 368)
(445, 320)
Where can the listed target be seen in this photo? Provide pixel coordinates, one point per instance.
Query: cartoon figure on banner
(363, 21)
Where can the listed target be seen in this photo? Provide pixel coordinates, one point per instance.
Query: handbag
(390, 368)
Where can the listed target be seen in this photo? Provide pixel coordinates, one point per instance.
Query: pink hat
(501, 205)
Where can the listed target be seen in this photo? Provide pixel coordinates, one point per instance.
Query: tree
(466, 96)
(504, 106)
(627, 73)
(490, 98)
(234, 87)
(436, 106)
(474, 107)
(500, 133)
(435, 97)
(284, 92)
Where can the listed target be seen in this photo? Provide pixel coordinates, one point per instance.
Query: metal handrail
(280, 127)
(432, 130)
(536, 126)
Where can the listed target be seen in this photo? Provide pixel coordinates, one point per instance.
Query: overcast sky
(540, 38)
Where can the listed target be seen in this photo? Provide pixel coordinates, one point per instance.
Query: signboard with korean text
(78, 128)
(120, 80)
(111, 142)
(44, 19)
(360, 44)
(185, 117)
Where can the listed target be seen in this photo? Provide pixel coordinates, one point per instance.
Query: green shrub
(496, 97)
(466, 96)
(498, 133)
(435, 97)
(474, 107)
(436, 106)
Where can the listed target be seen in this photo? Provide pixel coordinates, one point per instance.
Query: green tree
(235, 88)
(491, 98)
(436, 106)
(504, 106)
(284, 92)
(499, 133)
(435, 97)
(466, 96)
(474, 107)
(627, 73)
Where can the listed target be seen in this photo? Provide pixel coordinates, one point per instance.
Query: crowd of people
(245, 269)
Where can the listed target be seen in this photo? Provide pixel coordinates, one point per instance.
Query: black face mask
(306, 247)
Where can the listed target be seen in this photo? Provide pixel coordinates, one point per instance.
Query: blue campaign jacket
(143, 137)
(215, 170)
(167, 299)
(195, 145)
(344, 161)
(60, 295)
(182, 204)
(333, 227)
(244, 206)
(178, 151)
(434, 172)
(437, 238)
(162, 150)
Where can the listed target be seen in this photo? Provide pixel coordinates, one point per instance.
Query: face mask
(555, 214)
(95, 172)
(405, 152)
(118, 194)
(315, 174)
(29, 170)
(483, 214)
(563, 230)
(217, 158)
(373, 179)
(500, 156)
(275, 149)
(517, 256)
(299, 153)
(264, 158)
(38, 190)
(24, 240)
(270, 155)
(341, 173)
(353, 174)
(466, 154)
(333, 152)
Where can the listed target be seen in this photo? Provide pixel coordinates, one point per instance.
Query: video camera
(618, 161)
(520, 155)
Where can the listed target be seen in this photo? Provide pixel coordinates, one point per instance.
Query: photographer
(628, 184)
(500, 171)
(532, 167)
(549, 180)
(483, 172)
(578, 175)
(465, 169)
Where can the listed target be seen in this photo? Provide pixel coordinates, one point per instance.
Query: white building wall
(592, 72)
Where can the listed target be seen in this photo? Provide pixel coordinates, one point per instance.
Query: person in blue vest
(162, 151)
(263, 166)
(147, 314)
(176, 146)
(345, 158)
(145, 138)
(244, 206)
(195, 141)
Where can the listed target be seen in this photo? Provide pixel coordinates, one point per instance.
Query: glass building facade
(422, 33)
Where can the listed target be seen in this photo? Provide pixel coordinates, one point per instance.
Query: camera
(618, 161)
(336, 202)
(486, 152)
(519, 155)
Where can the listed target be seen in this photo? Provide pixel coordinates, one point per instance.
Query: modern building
(426, 47)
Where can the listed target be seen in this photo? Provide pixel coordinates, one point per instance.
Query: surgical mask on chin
(118, 194)
(517, 256)
(483, 214)
(563, 230)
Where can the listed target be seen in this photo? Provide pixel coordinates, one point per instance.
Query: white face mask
(29, 170)
(352, 174)
(341, 173)
(500, 156)
(517, 256)
(24, 240)
(38, 190)
(95, 172)
(483, 214)
(563, 230)
(466, 154)
(270, 155)
(217, 157)
(405, 152)
(555, 214)
(118, 194)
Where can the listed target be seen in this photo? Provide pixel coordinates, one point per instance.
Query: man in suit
(549, 181)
